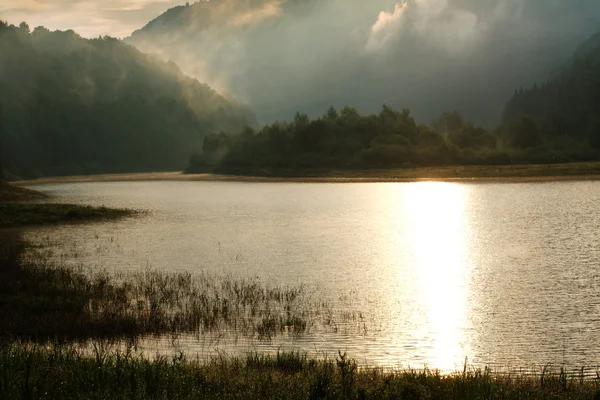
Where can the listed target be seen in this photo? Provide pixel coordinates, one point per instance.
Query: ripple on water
(501, 274)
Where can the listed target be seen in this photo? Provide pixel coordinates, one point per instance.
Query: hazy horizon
(117, 18)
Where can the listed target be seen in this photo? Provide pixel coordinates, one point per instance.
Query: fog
(428, 55)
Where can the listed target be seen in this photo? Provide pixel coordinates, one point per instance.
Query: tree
(523, 133)
(24, 28)
(350, 115)
(472, 137)
(2, 176)
(301, 121)
(448, 123)
(594, 134)
(332, 114)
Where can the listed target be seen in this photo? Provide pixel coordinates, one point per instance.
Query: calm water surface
(507, 275)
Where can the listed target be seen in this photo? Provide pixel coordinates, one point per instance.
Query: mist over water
(427, 55)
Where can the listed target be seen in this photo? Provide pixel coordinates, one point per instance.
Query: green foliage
(523, 133)
(565, 106)
(75, 106)
(2, 177)
(448, 123)
(594, 133)
(349, 140)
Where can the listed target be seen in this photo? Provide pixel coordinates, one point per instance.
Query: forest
(70, 106)
(556, 122)
(81, 106)
(566, 110)
(390, 139)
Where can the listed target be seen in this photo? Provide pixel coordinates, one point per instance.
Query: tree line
(2, 176)
(346, 139)
(566, 110)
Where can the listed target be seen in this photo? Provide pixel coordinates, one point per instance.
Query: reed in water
(42, 301)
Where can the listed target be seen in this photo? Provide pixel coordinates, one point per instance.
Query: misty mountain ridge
(283, 56)
(555, 122)
(589, 47)
(567, 108)
(73, 105)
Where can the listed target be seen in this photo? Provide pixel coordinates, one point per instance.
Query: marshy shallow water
(506, 275)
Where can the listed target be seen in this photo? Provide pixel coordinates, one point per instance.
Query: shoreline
(407, 176)
(18, 208)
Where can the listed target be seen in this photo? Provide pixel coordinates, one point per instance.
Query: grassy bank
(17, 210)
(24, 214)
(11, 193)
(60, 372)
(527, 171)
(506, 173)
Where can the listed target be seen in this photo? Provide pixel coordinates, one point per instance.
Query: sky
(116, 18)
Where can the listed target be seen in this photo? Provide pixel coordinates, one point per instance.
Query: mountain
(284, 56)
(589, 47)
(75, 106)
(566, 108)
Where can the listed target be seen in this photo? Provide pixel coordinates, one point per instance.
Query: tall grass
(40, 301)
(59, 372)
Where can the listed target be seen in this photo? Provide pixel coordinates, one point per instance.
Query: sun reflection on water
(434, 233)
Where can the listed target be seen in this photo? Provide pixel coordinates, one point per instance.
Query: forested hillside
(72, 105)
(558, 121)
(566, 109)
(283, 56)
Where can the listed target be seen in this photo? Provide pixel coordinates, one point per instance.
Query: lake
(504, 275)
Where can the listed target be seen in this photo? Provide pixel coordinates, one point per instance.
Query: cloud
(434, 22)
(386, 27)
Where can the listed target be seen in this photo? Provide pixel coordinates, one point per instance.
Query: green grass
(26, 214)
(61, 372)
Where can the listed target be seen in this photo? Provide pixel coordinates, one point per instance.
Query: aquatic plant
(41, 301)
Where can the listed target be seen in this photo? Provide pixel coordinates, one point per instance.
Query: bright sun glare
(436, 219)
